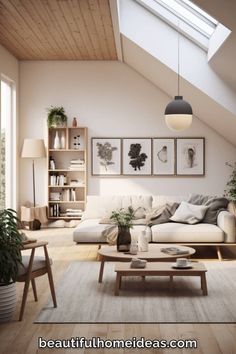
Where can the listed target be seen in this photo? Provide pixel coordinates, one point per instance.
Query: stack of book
(77, 165)
(76, 213)
(55, 196)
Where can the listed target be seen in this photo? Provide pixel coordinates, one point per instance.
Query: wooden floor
(22, 337)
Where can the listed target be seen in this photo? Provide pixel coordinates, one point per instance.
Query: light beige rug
(82, 300)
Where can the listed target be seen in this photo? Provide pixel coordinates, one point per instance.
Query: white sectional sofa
(91, 231)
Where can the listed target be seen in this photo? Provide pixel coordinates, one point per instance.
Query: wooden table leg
(50, 277)
(101, 270)
(118, 284)
(204, 284)
(34, 289)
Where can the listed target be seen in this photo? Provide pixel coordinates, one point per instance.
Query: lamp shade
(178, 114)
(33, 148)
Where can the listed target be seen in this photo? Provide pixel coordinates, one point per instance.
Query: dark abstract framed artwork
(137, 156)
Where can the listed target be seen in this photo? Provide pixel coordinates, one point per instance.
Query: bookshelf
(67, 172)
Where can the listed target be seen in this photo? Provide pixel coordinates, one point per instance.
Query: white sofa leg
(219, 254)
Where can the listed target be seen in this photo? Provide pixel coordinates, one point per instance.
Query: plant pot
(7, 301)
(123, 239)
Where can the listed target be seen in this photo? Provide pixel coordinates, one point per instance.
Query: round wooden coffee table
(154, 254)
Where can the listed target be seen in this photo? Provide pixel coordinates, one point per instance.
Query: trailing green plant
(123, 217)
(230, 190)
(56, 116)
(10, 246)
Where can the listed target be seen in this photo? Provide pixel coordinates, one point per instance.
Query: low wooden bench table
(154, 254)
(160, 269)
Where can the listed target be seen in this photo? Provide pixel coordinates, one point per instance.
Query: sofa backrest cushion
(100, 206)
(159, 201)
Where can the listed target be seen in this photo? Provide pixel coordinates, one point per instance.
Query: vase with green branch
(123, 219)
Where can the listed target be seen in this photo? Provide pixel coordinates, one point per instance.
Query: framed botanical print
(163, 156)
(191, 156)
(137, 156)
(106, 156)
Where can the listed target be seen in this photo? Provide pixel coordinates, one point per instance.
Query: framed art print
(163, 156)
(106, 156)
(137, 156)
(191, 156)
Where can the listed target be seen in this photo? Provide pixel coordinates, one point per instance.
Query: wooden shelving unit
(62, 184)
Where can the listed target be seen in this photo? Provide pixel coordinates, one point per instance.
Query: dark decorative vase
(123, 239)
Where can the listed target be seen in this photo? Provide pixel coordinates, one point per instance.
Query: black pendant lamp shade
(178, 106)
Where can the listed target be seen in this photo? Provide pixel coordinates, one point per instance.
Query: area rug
(81, 299)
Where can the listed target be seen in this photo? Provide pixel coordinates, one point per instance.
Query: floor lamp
(33, 149)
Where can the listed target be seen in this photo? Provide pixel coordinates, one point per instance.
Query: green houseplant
(230, 190)
(10, 257)
(123, 219)
(57, 117)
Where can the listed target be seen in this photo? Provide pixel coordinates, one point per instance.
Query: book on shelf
(174, 251)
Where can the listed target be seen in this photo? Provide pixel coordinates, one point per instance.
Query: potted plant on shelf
(123, 219)
(57, 117)
(10, 258)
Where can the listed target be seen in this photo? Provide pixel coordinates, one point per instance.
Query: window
(192, 15)
(7, 145)
(186, 17)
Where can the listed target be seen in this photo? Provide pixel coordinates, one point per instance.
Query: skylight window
(191, 14)
(186, 17)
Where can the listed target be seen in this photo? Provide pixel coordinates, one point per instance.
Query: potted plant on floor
(230, 190)
(57, 117)
(123, 219)
(10, 257)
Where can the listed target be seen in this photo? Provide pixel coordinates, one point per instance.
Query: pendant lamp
(178, 113)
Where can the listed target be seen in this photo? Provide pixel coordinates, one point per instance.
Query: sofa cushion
(176, 232)
(189, 213)
(92, 231)
(215, 206)
(98, 206)
(159, 201)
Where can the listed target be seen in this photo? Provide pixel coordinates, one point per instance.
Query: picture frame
(163, 156)
(137, 156)
(106, 156)
(190, 155)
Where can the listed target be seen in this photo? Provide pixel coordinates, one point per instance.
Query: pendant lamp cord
(178, 55)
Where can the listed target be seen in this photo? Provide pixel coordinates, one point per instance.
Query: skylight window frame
(210, 21)
(180, 23)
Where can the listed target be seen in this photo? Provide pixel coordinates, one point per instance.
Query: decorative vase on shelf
(123, 239)
(74, 123)
(56, 144)
(63, 140)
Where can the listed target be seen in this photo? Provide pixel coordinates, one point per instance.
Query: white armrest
(226, 221)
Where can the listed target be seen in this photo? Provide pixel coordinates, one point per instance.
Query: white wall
(112, 100)
(9, 68)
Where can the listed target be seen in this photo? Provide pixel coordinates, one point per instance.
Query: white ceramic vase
(56, 144)
(7, 301)
(63, 140)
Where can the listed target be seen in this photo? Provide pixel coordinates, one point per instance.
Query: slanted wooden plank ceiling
(57, 29)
